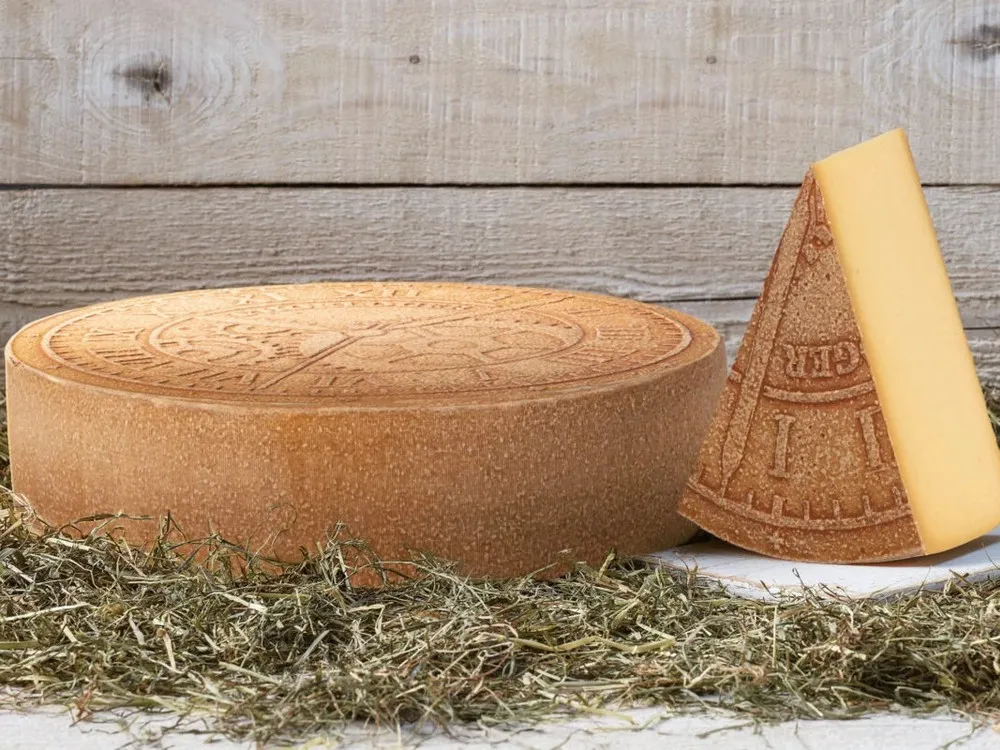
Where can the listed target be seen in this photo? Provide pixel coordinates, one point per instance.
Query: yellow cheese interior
(913, 338)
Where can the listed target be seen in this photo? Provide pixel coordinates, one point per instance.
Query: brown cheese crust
(797, 463)
(494, 426)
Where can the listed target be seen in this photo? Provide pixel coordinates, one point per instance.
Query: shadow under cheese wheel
(493, 426)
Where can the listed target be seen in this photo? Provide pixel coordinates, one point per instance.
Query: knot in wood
(150, 78)
(983, 43)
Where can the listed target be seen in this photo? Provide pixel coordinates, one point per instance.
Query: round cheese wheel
(492, 426)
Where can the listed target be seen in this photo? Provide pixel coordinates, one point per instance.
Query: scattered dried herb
(279, 654)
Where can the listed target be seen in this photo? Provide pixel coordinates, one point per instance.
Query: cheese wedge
(852, 427)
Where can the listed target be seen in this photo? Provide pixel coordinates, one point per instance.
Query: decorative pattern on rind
(354, 342)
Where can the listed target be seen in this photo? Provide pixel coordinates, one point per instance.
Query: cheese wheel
(492, 426)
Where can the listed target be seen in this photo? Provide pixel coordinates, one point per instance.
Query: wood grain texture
(701, 250)
(74, 247)
(489, 91)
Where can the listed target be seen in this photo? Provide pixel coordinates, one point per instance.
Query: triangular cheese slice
(803, 459)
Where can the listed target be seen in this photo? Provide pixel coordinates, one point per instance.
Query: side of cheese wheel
(493, 426)
(853, 427)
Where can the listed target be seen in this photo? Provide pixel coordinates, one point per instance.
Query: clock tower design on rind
(797, 463)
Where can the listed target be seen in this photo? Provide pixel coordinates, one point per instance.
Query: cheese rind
(852, 428)
(797, 463)
(492, 426)
(914, 341)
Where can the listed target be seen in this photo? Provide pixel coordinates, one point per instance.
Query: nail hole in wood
(711, 59)
(414, 59)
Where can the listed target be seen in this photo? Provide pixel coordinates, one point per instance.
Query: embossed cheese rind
(797, 462)
(494, 426)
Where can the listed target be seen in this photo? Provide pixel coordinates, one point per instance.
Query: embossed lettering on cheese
(852, 428)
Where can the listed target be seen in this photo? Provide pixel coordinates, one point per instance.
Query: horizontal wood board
(701, 250)
(489, 91)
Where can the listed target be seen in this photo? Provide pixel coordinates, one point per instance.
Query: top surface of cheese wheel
(357, 345)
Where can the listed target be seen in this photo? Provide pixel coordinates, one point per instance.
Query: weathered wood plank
(488, 91)
(985, 344)
(74, 247)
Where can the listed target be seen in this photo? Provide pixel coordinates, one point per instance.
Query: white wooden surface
(633, 730)
(755, 576)
(488, 91)
(659, 245)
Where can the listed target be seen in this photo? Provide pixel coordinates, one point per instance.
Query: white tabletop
(638, 729)
(755, 576)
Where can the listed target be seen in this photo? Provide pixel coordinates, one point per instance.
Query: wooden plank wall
(648, 148)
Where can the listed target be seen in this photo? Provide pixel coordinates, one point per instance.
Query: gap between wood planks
(444, 185)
